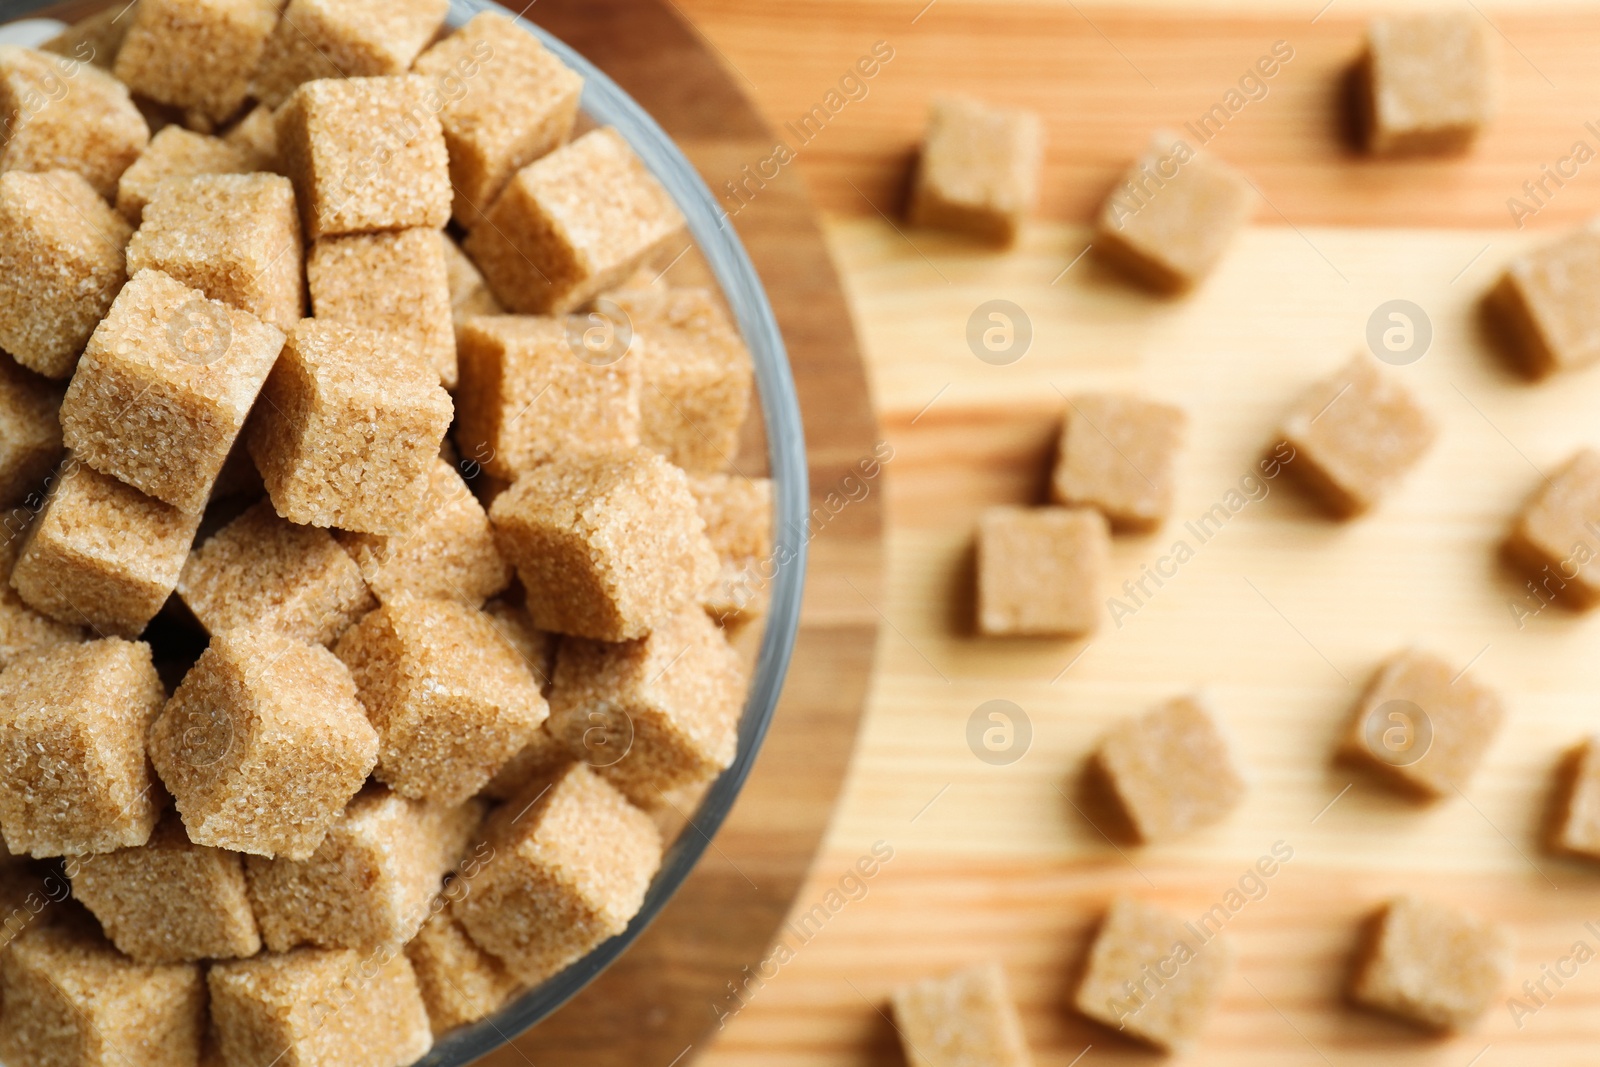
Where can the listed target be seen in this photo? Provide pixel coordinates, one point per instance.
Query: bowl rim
(710, 228)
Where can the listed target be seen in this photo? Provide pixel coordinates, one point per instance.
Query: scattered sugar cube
(1150, 976)
(607, 546)
(196, 55)
(395, 282)
(366, 154)
(175, 153)
(21, 628)
(30, 431)
(345, 39)
(66, 115)
(71, 999)
(1119, 454)
(371, 883)
(235, 237)
(460, 982)
(1548, 303)
(61, 266)
(959, 1020)
(96, 39)
(697, 376)
(508, 102)
(350, 430)
(979, 170)
(572, 862)
(263, 744)
(256, 135)
(1437, 966)
(451, 698)
(102, 554)
(195, 368)
(1424, 723)
(666, 706)
(318, 1008)
(527, 395)
(738, 516)
(1171, 770)
(1355, 435)
(72, 748)
(1577, 827)
(1551, 536)
(572, 225)
(168, 900)
(1040, 570)
(450, 555)
(469, 293)
(1428, 83)
(1169, 220)
(265, 571)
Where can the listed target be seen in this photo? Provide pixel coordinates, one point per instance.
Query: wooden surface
(1280, 618)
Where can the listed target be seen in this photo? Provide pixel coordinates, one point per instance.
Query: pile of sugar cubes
(365, 630)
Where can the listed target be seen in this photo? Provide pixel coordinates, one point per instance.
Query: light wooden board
(1281, 617)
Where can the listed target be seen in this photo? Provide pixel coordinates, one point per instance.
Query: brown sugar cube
(961, 1019)
(697, 376)
(102, 554)
(370, 883)
(572, 862)
(450, 555)
(234, 237)
(544, 754)
(460, 982)
(1424, 724)
(738, 516)
(515, 102)
(366, 154)
(1040, 570)
(979, 170)
(1550, 537)
(536, 647)
(96, 39)
(1119, 454)
(21, 628)
(451, 699)
(72, 748)
(608, 546)
(667, 705)
(256, 135)
(350, 430)
(528, 395)
(175, 153)
(469, 293)
(262, 570)
(1150, 976)
(1355, 435)
(1576, 829)
(195, 368)
(398, 283)
(196, 55)
(1427, 84)
(1169, 220)
(61, 266)
(263, 744)
(538, 759)
(1431, 964)
(65, 115)
(74, 1001)
(572, 225)
(1548, 304)
(346, 39)
(169, 900)
(318, 1008)
(1171, 770)
(30, 431)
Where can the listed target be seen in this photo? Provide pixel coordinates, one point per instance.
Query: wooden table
(1281, 617)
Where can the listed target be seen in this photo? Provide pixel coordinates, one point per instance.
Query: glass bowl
(604, 103)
